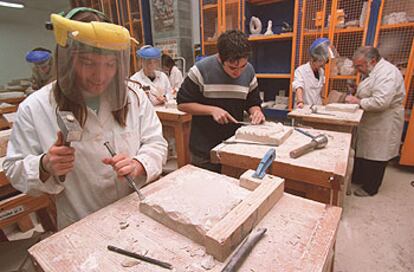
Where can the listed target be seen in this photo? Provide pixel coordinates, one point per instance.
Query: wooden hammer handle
(303, 149)
(63, 178)
(238, 257)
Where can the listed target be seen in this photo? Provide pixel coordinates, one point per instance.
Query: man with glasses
(380, 94)
(217, 90)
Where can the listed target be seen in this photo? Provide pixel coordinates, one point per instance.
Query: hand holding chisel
(127, 177)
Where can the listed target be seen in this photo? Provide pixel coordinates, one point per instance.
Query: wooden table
(180, 123)
(300, 236)
(16, 207)
(342, 121)
(318, 175)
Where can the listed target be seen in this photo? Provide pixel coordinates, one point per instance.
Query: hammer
(317, 142)
(71, 129)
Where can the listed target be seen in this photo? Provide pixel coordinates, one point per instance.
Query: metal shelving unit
(395, 41)
(347, 37)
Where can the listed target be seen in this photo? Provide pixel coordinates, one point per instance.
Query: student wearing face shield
(42, 67)
(92, 60)
(309, 78)
(154, 81)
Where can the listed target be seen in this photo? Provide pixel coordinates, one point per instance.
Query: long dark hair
(79, 110)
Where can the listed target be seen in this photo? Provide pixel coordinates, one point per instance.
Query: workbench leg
(25, 223)
(181, 134)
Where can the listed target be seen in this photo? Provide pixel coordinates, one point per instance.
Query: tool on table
(248, 143)
(140, 257)
(265, 163)
(317, 142)
(246, 246)
(127, 177)
(304, 133)
(71, 129)
(314, 110)
(246, 123)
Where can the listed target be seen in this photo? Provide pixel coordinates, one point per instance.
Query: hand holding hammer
(59, 159)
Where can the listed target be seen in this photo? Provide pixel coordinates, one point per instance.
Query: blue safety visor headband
(37, 56)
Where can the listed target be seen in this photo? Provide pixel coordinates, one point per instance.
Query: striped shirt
(207, 83)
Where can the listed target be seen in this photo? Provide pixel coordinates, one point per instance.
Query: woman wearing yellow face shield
(92, 61)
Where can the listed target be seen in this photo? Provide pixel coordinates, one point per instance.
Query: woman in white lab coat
(154, 81)
(174, 74)
(91, 70)
(380, 95)
(309, 78)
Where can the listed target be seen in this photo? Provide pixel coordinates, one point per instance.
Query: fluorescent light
(12, 4)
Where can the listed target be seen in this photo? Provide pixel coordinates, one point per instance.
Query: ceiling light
(12, 3)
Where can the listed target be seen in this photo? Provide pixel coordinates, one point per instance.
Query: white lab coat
(382, 95)
(91, 185)
(176, 78)
(159, 87)
(312, 87)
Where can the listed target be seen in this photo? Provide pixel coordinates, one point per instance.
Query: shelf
(273, 37)
(210, 42)
(337, 30)
(349, 30)
(269, 75)
(315, 32)
(264, 2)
(403, 25)
(210, 6)
(341, 77)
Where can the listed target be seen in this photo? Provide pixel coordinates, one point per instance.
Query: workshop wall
(22, 30)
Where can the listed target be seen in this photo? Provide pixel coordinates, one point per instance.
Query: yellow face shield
(95, 34)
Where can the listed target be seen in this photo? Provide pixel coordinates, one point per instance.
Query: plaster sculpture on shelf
(269, 28)
(395, 18)
(347, 68)
(255, 25)
(363, 15)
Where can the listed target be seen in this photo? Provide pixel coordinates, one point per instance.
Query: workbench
(342, 122)
(16, 207)
(300, 236)
(318, 175)
(178, 124)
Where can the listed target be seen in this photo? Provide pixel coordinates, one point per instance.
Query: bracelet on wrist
(42, 168)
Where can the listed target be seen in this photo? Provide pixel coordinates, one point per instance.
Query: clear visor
(151, 65)
(43, 69)
(85, 72)
(324, 51)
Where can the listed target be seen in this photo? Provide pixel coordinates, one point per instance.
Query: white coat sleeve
(176, 78)
(298, 80)
(384, 89)
(21, 165)
(152, 153)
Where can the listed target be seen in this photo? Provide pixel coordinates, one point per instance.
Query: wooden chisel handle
(238, 257)
(303, 149)
(63, 177)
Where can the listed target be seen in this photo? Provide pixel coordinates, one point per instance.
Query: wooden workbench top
(331, 159)
(170, 109)
(300, 237)
(340, 118)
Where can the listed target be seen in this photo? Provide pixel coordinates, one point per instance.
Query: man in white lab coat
(309, 78)
(154, 82)
(92, 67)
(380, 95)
